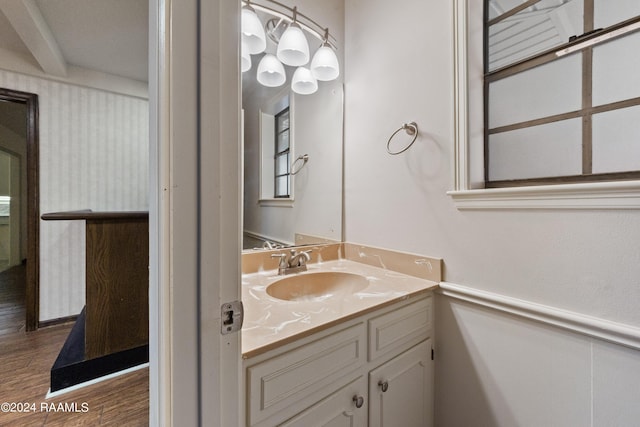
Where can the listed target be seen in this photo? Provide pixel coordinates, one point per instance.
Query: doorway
(19, 211)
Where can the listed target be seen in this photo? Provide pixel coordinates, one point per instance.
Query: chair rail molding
(617, 333)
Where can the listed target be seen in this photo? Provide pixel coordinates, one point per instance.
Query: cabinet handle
(383, 385)
(358, 400)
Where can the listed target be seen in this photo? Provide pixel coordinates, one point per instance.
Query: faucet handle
(303, 257)
(283, 259)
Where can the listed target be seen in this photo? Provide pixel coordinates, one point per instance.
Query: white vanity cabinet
(400, 391)
(374, 369)
(337, 410)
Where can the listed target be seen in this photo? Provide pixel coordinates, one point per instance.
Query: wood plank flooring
(12, 300)
(25, 363)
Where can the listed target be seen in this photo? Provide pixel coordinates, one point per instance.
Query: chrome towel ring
(411, 129)
(304, 158)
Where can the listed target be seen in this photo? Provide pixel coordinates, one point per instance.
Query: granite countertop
(270, 322)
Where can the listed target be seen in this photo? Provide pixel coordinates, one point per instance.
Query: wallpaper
(93, 155)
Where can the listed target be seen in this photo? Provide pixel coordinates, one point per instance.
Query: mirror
(293, 146)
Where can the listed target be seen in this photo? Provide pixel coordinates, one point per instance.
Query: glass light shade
(245, 63)
(252, 32)
(293, 48)
(324, 65)
(271, 72)
(303, 82)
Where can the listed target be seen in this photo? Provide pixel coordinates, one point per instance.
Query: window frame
(585, 113)
(465, 193)
(283, 153)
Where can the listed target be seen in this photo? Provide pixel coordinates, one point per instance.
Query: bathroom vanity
(352, 355)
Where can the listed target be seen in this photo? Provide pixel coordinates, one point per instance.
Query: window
(468, 189)
(561, 91)
(281, 157)
(277, 145)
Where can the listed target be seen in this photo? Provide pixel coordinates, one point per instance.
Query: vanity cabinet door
(338, 410)
(401, 390)
(287, 383)
(399, 329)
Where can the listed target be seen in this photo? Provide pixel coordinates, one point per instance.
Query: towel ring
(304, 158)
(411, 129)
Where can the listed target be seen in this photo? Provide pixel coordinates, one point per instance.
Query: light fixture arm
(289, 14)
(247, 4)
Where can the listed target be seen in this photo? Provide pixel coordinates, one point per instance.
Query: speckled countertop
(270, 322)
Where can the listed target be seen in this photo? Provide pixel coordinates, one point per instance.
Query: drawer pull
(383, 385)
(358, 400)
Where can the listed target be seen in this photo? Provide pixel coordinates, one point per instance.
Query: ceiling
(109, 36)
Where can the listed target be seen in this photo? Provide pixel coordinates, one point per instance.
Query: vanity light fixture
(303, 81)
(270, 71)
(252, 30)
(324, 65)
(292, 47)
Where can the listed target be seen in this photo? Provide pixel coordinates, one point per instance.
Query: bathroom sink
(317, 286)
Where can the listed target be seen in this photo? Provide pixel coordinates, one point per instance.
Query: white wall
(399, 61)
(499, 370)
(93, 154)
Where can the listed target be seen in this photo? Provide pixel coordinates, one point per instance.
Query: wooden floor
(25, 363)
(12, 300)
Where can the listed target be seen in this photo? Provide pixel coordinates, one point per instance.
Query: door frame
(32, 290)
(194, 212)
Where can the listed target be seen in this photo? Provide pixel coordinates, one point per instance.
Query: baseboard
(58, 321)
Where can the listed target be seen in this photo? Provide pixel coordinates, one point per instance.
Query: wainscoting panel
(93, 155)
(505, 362)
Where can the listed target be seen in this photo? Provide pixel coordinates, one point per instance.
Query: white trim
(277, 203)
(617, 333)
(460, 89)
(160, 313)
(599, 195)
(51, 395)
(220, 203)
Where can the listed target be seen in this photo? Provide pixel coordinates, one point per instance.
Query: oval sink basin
(320, 285)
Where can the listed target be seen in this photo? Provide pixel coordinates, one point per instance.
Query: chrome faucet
(295, 262)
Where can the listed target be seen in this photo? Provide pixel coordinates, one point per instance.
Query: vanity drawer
(400, 329)
(282, 386)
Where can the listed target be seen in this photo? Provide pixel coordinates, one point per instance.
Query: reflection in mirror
(293, 138)
(539, 27)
